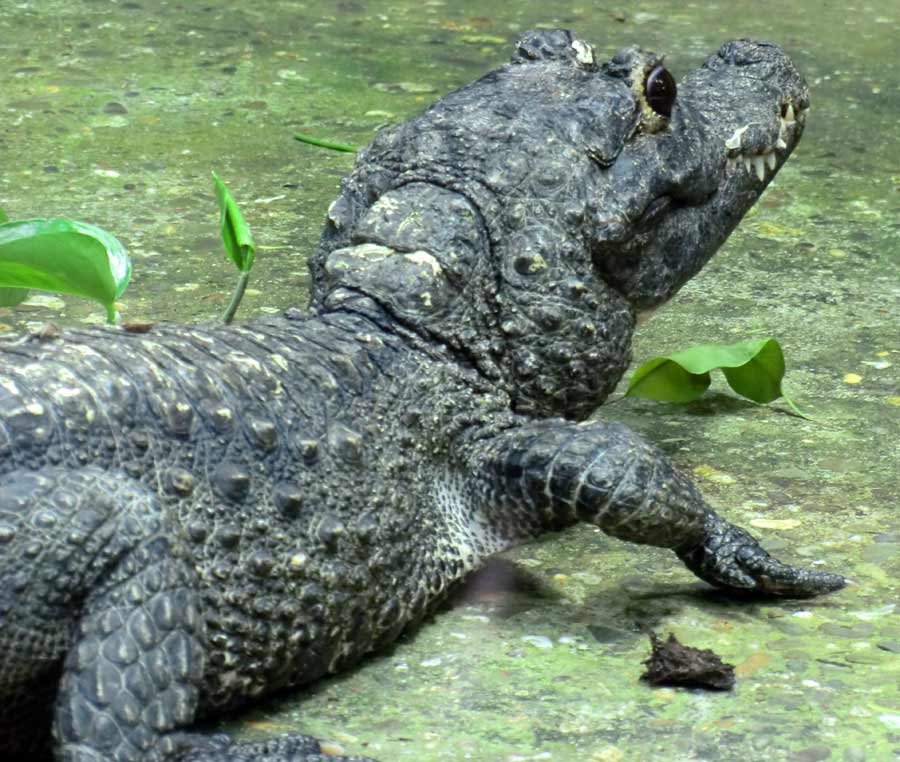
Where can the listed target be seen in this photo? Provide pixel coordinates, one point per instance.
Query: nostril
(748, 52)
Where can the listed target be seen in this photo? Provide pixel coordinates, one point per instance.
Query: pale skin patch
(584, 53)
(385, 204)
(366, 252)
(66, 392)
(280, 361)
(298, 560)
(735, 140)
(424, 258)
(538, 263)
(242, 359)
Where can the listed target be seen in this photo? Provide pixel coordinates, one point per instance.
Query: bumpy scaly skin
(197, 516)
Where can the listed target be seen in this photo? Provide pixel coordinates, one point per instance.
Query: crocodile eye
(660, 90)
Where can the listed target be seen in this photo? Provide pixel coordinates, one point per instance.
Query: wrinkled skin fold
(197, 516)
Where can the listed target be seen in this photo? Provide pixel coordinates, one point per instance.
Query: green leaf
(324, 143)
(754, 369)
(664, 379)
(235, 233)
(758, 377)
(65, 256)
(10, 297)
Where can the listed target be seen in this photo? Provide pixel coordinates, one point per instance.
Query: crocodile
(194, 517)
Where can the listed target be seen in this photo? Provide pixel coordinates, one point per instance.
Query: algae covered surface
(117, 112)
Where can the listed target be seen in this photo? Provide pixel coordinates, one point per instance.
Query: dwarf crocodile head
(545, 206)
(699, 156)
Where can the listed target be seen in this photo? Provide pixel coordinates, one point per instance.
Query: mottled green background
(116, 112)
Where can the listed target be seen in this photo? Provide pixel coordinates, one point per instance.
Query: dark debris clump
(671, 663)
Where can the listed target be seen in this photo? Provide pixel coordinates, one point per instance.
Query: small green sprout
(238, 243)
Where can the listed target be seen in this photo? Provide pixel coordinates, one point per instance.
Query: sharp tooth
(780, 143)
(789, 114)
(748, 163)
(760, 167)
(770, 160)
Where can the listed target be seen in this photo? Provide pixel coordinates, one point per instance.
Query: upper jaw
(744, 109)
(760, 150)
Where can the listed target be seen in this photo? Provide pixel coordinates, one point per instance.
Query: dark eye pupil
(660, 90)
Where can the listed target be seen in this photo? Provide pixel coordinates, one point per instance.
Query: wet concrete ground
(115, 113)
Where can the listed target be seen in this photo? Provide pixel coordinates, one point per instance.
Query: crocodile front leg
(560, 472)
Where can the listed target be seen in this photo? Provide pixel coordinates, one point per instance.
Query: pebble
(483, 39)
(406, 87)
(881, 551)
(775, 523)
(812, 754)
(891, 720)
(713, 475)
(290, 75)
(45, 301)
(844, 631)
(539, 641)
(881, 611)
(605, 634)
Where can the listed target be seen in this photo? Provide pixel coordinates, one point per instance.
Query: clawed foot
(729, 557)
(294, 748)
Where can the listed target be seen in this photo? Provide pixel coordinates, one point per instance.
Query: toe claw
(731, 558)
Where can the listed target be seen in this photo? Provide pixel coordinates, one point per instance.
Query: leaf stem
(794, 408)
(236, 297)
